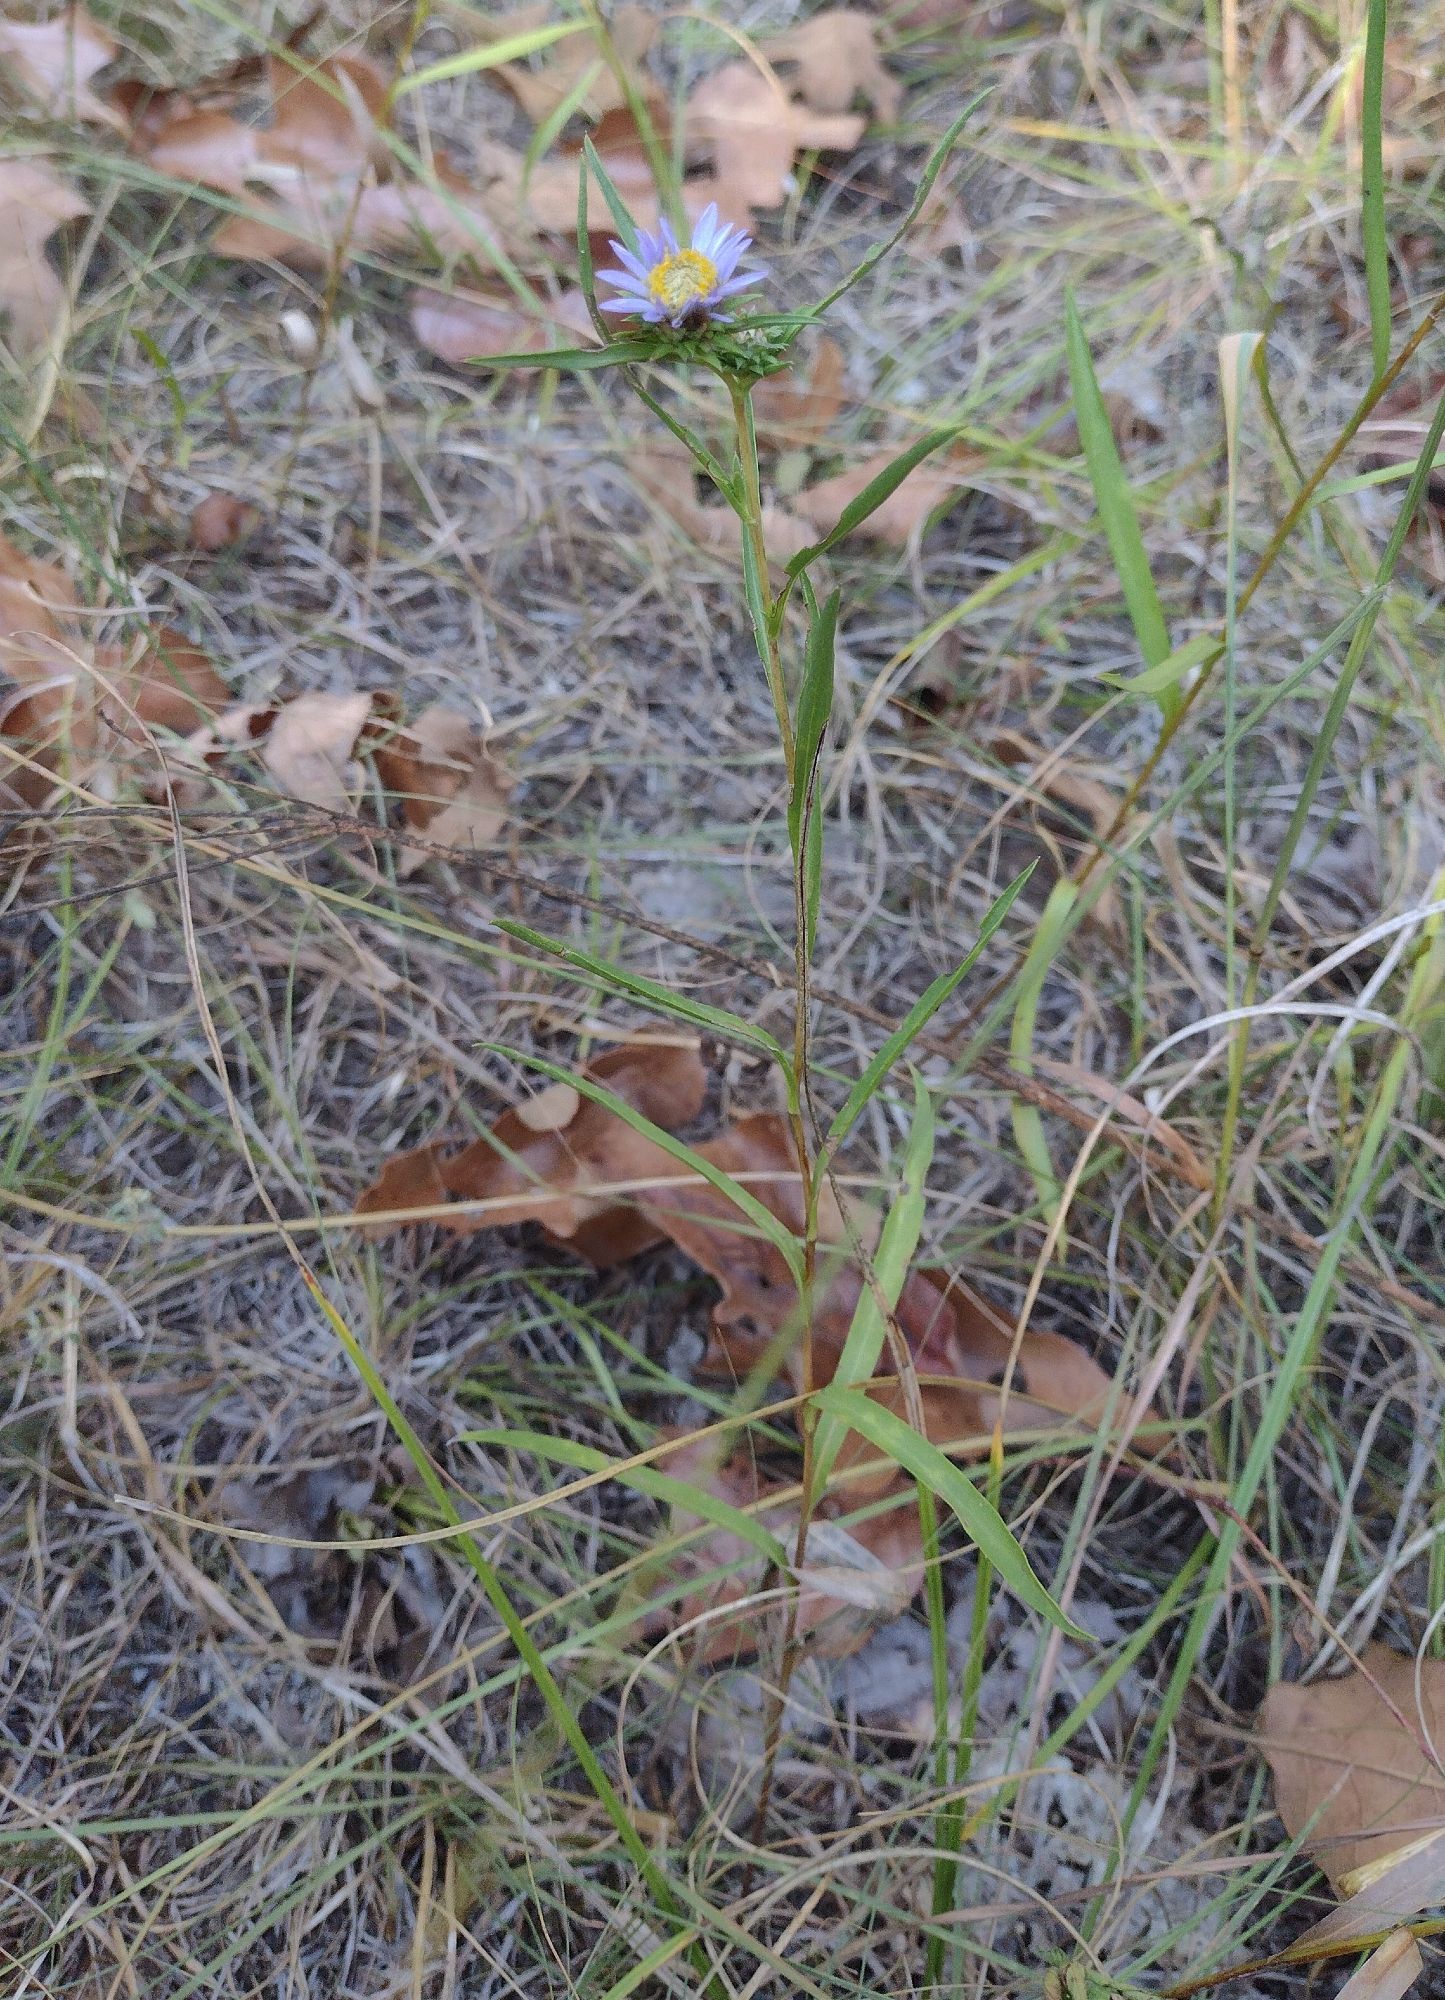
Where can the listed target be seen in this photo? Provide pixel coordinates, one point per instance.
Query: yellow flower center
(681, 278)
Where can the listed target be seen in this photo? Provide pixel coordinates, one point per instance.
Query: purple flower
(662, 281)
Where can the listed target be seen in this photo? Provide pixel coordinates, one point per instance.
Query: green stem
(766, 613)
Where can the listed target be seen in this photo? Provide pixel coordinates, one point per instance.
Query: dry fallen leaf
(977, 17)
(667, 477)
(1365, 1781)
(537, 1169)
(170, 684)
(221, 520)
(748, 126)
(904, 514)
(550, 198)
(52, 62)
(575, 64)
(309, 748)
(836, 53)
(330, 177)
(468, 326)
(39, 629)
(452, 789)
(795, 408)
(34, 202)
(79, 706)
(852, 1580)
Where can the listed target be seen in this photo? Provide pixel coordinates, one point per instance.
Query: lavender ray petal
(626, 258)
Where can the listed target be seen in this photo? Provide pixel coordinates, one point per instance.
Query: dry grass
(232, 1767)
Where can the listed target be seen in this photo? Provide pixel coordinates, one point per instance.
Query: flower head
(663, 281)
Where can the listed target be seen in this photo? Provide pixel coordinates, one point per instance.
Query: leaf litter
(605, 1190)
(35, 202)
(329, 759)
(1357, 1762)
(324, 171)
(82, 713)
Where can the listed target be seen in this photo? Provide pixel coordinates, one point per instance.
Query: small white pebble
(298, 337)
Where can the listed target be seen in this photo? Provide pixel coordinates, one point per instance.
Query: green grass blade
(1028, 1126)
(921, 1013)
(924, 1461)
(1372, 188)
(1201, 651)
(1116, 504)
(731, 1027)
(890, 1266)
(490, 55)
(643, 1479)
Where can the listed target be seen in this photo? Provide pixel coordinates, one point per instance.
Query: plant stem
(766, 614)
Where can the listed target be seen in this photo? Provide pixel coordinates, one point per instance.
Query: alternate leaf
(1113, 498)
(922, 1012)
(878, 489)
(902, 1444)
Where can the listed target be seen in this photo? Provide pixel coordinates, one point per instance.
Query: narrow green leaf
(645, 1479)
(983, 1523)
(921, 1013)
(1043, 948)
(761, 1218)
(915, 208)
(579, 358)
(873, 495)
(815, 705)
(1114, 501)
(1372, 187)
(153, 353)
(755, 596)
(1197, 652)
(586, 277)
(890, 1266)
(730, 1026)
(550, 129)
(466, 62)
(626, 227)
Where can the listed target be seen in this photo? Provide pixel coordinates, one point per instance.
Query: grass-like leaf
(1201, 651)
(731, 1027)
(889, 1268)
(921, 1013)
(626, 227)
(1372, 187)
(1116, 504)
(921, 193)
(643, 1479)
(490, 55)
(617, 355)
(925, 1462)
(873, 495)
